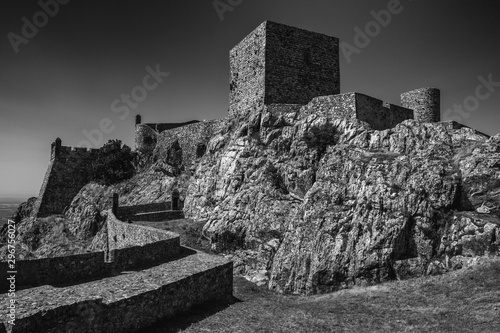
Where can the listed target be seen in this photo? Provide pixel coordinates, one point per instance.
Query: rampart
(143, 276)
(124, 303)
(146, 135)
(186, 136)
(65, 176)
(353, 105)
(129, 246)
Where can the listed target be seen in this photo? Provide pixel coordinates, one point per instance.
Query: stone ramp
(158, 216)
(123, 303)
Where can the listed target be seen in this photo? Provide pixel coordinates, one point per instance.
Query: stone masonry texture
(65, 176)
(190, 139)
(132, 245)
(146, 135)
(426, 102)
(126, 302)
(281, 64)
(353, 106)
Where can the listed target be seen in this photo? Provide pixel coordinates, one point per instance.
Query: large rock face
(317, 204)
(310, 202)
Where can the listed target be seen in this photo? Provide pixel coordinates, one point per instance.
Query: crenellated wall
(359, 106)
(65, 176)
(378, 114)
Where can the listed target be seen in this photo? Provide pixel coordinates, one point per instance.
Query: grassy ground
(467, 300)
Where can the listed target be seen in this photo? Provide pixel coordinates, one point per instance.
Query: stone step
(126, 302)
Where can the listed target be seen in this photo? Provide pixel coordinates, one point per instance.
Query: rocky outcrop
(308, 202)
(322, 204)
(24, 210)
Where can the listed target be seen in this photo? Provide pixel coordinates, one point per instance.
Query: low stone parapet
(126, 302)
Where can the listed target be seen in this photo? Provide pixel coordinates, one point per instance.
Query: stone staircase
(131, 297)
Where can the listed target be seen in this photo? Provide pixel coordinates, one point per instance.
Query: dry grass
(467, 300)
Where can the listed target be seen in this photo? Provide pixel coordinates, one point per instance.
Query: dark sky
(63, 80)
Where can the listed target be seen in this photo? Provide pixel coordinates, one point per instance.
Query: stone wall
(426, 102)
(126, 304)
(192, 139)
(65, 176)
(342, 105)
(123, 235)
(359, 106)
(379, 115)
(37, 272)
(248, 69)
(129, 246)
(146, 135)
(277, 64)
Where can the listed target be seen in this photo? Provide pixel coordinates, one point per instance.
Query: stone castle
(277, 68)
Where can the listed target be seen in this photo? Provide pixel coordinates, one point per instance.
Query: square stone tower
(279, 64)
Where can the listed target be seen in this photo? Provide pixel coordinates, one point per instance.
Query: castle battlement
(57, 150)
(278, 66)
(65, 176)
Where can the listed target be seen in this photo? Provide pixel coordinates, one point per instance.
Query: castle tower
(55, 148)
(145, 138)
(426, 103)
(277, 63)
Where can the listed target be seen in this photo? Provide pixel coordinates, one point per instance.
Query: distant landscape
(8, 206)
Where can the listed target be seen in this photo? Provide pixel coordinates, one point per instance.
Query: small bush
(320, 137)
(114, 163)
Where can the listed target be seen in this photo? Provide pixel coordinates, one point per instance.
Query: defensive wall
(146, 134)
(280, 69)
(354, 105)
(191, 139)
(128, 246)
(65, 176)
(143, 275)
